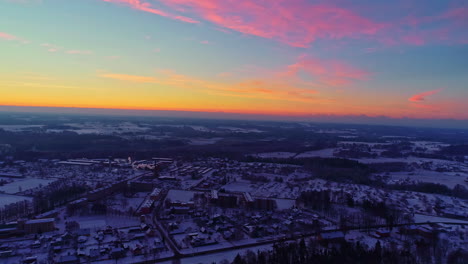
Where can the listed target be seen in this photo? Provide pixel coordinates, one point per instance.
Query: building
(156, 194)
(37, 225)
(227, 200)
(264, 204)
(146, 206)
(383, 232)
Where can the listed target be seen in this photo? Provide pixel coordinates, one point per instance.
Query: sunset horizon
(233, 131)
(329, 58)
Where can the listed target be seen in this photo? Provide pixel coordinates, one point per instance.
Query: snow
(204, 141)
(217, 257)
(429, 145)
(241, 130)
(370, 144)
(239, 187)
(324, 153)
(201, 128)
(420, 218)
(99, 128)
(17, 128)
(180, 195)
(99, 222)
(449, 179)
(283, 204)
(6, 199)
(280, 155)
(410, 159)
(26, 184)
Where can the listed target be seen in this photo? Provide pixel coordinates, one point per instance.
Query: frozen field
(6, 199)
(429, 145)
(17, 128)
(179, 195)
(280, 155)
(241, 130)
(324, 153)
(239, 187)
(23, 185)
(218, 257)
(406, 160)
(419, 218)
(369, 144)
(204, 141)
(99, 222)
(98, 128)
(446, 178)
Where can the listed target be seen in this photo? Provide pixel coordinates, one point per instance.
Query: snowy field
(17, 128)
(429, 145)
(369, 144)
(6, 199)
(23, 185)
(324, 153)
(99, 222)
(218, 257)
(180, 195)
(241, 130)
(98, 128)
(239, 187)
(204, 141)
(419, 218)
(407, 160)
(446, 178)
(280, 155)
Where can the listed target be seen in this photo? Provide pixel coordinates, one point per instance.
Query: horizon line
(220, 115)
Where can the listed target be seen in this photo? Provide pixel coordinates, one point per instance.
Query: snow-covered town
(395, 193)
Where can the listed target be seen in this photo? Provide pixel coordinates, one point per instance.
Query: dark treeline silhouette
(429, 187)
(344, 252)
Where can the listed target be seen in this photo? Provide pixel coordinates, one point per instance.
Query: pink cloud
(7, 36)
(295, 22)
(147, 7)
(330, 72)
(422, 96)
(414, 40)
(301, 22)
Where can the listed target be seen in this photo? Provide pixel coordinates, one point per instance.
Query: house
(383, 232)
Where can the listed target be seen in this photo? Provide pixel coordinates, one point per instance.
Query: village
(162, 209)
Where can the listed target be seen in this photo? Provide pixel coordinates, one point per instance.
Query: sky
(398, 59)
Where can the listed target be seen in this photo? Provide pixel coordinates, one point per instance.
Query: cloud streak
(294, 22)
(421, 97)
(300, 23)
(250, 88)
(7, 36)
(147, 7)
(329, 72)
